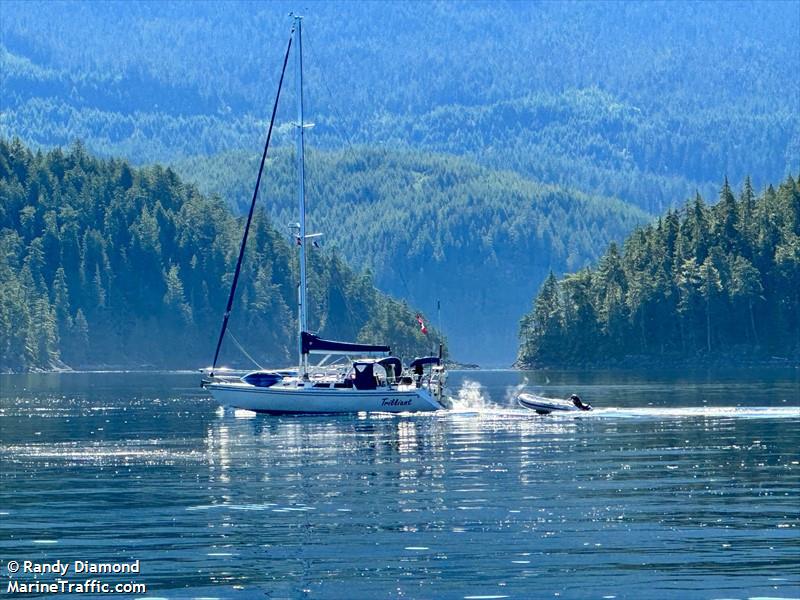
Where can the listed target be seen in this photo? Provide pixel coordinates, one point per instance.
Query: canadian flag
(422, 327)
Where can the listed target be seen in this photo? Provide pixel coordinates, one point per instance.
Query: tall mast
(301, 189)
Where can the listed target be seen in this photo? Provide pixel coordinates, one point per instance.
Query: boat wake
(472, 397)
(489, 410)
(693, 412)
(601, 411)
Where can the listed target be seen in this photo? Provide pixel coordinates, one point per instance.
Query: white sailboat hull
(294, 399)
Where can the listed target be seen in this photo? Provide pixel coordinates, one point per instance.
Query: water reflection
(484, 500)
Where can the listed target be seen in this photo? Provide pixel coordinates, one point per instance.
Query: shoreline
(637, 363)
(615, 366)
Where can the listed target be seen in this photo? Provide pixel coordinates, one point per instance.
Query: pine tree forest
(103, 264)
(704, 283)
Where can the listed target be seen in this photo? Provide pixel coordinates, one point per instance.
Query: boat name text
(395, 402)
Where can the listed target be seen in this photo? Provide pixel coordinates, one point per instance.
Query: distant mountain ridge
(642, 101)
(433, 227)
(589, 139)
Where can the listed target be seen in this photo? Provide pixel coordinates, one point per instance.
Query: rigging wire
(238, 345)
(349, 150)
(311, 174)
(238, 270)
(333, 105)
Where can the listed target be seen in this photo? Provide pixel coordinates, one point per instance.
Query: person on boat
(419, 371)
(576, 400)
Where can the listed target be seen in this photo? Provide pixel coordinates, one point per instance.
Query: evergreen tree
(746, 288)
(719, 283)
(710, 288)
(102, 263)
(541, 329)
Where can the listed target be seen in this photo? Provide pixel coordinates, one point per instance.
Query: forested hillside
(436, 228)
(464, 150)
(105, 264)
(714, 283)
(643, 101)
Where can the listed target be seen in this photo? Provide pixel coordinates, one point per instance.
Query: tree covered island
(704, 283)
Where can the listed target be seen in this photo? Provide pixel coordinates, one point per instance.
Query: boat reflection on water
(484, 499)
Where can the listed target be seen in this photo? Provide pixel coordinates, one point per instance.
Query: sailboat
(369, 380)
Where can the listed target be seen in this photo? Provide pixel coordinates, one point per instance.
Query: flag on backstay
(422, 327)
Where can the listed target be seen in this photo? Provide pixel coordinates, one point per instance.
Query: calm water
(678, 486)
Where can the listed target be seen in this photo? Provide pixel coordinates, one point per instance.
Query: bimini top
(312, 344)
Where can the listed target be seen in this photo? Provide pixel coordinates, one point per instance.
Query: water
(677, 486)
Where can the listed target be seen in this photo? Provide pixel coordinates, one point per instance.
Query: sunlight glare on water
(676, 487)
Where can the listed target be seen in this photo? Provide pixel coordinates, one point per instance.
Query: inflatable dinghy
(545, 406)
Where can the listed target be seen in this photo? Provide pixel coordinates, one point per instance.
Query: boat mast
(301, 189)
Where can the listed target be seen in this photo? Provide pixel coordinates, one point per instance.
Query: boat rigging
(372, 381)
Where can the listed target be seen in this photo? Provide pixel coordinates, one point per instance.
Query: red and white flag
(422, 327)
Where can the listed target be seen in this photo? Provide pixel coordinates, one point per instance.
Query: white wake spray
(472, 397)
(513, 391)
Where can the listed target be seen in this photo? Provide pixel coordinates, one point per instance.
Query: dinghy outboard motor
(576, 400)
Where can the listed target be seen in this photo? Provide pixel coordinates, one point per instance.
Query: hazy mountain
(644, 101)
(435, 228)
(104, 264)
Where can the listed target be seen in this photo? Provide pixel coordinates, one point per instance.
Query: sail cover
(313, 344)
